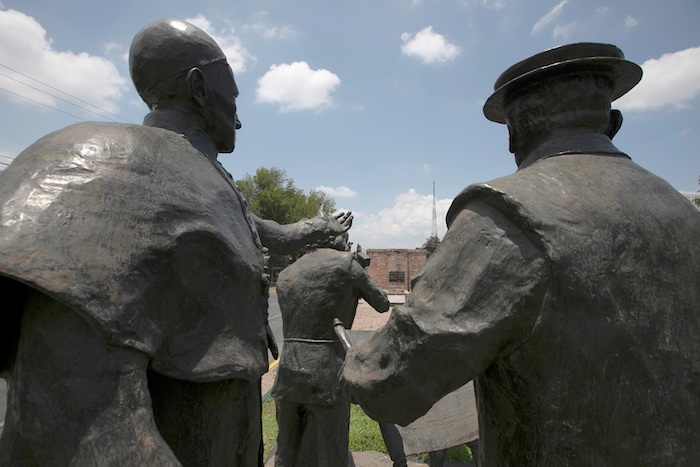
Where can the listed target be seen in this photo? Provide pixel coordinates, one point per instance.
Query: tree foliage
(271, 194)
(431, 244)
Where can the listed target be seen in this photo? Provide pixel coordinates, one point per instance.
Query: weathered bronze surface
(134, 325)
(569, 291)
(312, 410)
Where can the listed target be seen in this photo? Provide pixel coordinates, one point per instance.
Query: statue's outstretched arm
(282, 239)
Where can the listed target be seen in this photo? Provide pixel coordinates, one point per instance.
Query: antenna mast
(433, 231)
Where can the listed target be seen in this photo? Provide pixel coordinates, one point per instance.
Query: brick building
(393, 269)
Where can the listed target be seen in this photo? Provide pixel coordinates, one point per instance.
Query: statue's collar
(583, 143)
(184, 124)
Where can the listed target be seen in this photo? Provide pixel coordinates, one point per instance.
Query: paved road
(275, 319)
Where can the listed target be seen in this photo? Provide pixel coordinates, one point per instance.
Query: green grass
(364, 434)
(269, 426)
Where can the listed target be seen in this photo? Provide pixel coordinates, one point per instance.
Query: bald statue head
(177, 66)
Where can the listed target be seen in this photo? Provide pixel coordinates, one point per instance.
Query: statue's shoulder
(493, 193)
(326, 259)
(105, 143)
(103, 134)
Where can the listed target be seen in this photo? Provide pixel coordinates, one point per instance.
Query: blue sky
(369, 100)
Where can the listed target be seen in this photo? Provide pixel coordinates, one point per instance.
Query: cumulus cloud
(630, 21)
(549, 17)
(429, 46)
(232, 45)
(672, 80)
(272, 32)
(488, 4)
(563, 31)
(413, 3)
(406, 224)
(339, 192)
(110, 47)
(296, 86)
(26, 51)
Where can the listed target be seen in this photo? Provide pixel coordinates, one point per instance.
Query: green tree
(431, 244)
(271, 194)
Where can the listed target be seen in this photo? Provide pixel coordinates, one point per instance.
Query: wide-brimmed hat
(585, 56)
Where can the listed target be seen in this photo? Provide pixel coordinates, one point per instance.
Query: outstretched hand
(340, 223)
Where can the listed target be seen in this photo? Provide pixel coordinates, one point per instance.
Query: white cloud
(110, 47)
(296, 86)
(339, 192)
(25, 48)
(426, 168)
(494, 4)
(283, 32)
(602, 10)
(272, 32)
(407, 224)
(488, 4)
(563, 32)
(549, 17)
(670, 81)
(232, 45)
(429, 46)
(630, 21)
(414, 3)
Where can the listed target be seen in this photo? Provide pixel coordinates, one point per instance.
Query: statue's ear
(197, 86)
(615, 123)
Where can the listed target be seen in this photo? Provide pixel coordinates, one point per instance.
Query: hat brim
(624, 74)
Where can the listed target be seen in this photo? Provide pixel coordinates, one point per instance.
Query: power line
(41, 103)
(55, 97)
(62, 92)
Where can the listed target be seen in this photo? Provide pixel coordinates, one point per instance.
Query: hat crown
(572, 58)
(557, 55)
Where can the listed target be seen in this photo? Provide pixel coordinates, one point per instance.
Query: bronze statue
(569, 290)
(313, 413)
(134, 280)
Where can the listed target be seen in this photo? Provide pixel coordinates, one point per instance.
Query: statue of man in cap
(133, 273)
(569, 291)
(313, 413)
